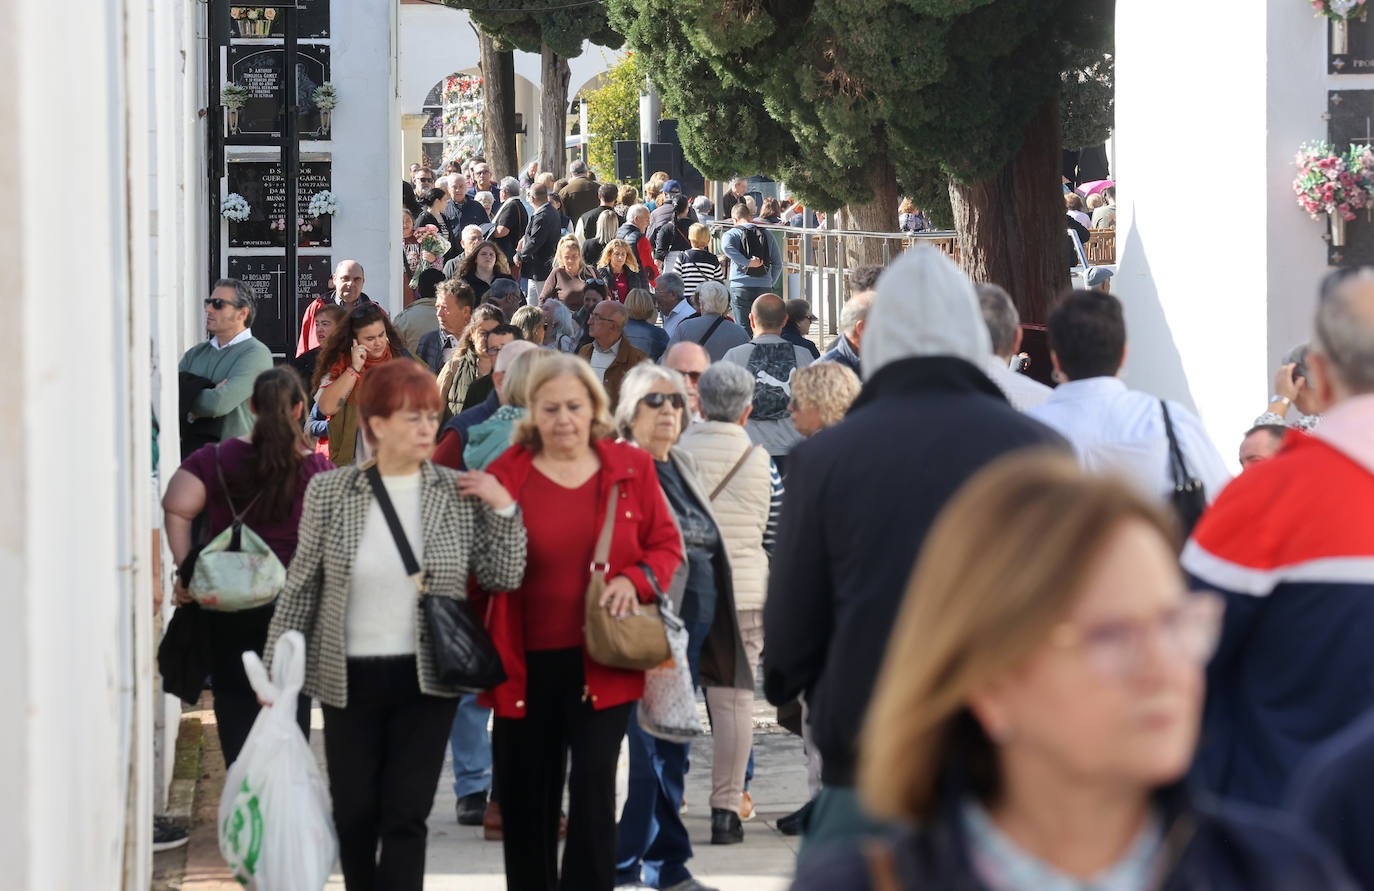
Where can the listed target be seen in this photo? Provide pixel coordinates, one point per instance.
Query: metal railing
(816, 265)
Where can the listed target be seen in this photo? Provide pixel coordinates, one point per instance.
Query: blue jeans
(743, 300)
(651, 836)
(471, 748)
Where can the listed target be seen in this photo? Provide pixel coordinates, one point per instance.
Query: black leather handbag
(1189, 498)
(464, 654)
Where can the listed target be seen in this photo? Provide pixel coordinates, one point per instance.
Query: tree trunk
(498, 107)
(1011, 226)
(553, 112)
(878, 215)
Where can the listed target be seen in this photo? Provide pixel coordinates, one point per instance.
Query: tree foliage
(613, 114)
(529, 25)
(815, 92)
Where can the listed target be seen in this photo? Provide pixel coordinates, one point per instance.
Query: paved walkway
(458, 857)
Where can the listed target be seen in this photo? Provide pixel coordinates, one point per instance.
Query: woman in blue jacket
(1039, 706)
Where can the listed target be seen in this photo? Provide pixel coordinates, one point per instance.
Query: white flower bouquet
(234, 207)
(323, 203)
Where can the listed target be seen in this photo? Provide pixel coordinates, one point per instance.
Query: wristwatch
(1277, 398)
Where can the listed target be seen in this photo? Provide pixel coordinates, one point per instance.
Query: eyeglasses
(692, 376)
(656, 400)
(1116, 649)
(425, 179)
(601, 318)
(221, 303)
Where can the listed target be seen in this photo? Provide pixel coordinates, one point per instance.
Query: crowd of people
(969, 583)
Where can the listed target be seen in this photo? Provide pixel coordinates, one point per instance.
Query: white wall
(1218, 266)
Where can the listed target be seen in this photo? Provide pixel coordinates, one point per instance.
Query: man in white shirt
(1004, 327)
(1110, 427)
(668, 298)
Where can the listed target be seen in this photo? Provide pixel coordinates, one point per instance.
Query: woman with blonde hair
(1039, 704)
(698, 264)
(821, 394)
(628, 198)
(606, 226)
(569, 479)
(570, 275)
(619, 270)
(640, 330)
(653, 188)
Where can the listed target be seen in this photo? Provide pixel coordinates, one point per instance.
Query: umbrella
(1094, 187)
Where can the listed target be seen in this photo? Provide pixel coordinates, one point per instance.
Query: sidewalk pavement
(458, 857)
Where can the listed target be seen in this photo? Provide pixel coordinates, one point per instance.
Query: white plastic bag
(276, 829)
(668, 709)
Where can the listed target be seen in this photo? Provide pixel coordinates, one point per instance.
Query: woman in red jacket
(561, 470)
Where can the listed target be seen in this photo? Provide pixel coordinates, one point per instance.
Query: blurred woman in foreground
(1039, 707)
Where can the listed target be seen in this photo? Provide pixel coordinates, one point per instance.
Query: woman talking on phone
(361, 342)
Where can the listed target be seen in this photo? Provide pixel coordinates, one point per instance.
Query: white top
(602, 359)
(1022, 391)
(1116, 429)
(381, 597)
(674, 318)
(243, 335)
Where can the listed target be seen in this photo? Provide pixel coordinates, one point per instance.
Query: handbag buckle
(420, 584)
(603, 568)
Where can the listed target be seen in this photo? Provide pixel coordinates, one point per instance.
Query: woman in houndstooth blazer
(369, 657)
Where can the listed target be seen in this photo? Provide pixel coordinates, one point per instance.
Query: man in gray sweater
(232, 359)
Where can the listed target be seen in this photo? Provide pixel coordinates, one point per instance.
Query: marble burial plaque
(259, 68)
(1358, 57)
(1350, 118)
(275, 325)
(261, 184)
(312, 19)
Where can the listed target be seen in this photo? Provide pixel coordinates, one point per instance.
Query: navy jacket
(860, 498)
(1210, 846)
(1331, 794)
(430, 349)
(793, 336)
(840, 351)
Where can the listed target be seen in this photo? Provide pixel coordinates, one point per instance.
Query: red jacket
(644, 532)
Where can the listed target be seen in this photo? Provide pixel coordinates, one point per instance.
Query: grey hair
(702, 204)
(1000, 315)
(510, 186)
(637, 385)
(1297, 357)
(855, 310)
(578, 167)
(470, 227)
(606, 226)
(725, 391)
(244, 296)
(562, 319)
(712, 297)
(669, 282)
(636, 212)
(1345, 331)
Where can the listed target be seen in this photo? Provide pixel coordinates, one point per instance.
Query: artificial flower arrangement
(326, 97)
(1339, 10)
(323, 203)
(234, 96)
(234, 207)
(1332, 183)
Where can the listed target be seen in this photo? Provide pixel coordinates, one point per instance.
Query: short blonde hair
(641, 305)
(908, 206)
(515, 385)
(828, 387)
(563, 244)
(563, 365)
(631, 261)
(655, 184)
(628, 196)
(1094, 201)
(699, 235)
(972, 612)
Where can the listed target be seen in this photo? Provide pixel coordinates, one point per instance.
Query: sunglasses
(692, 376)
(425, 179)
(656, 400)
(221, 303)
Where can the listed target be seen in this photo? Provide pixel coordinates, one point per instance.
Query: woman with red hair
(369, 656)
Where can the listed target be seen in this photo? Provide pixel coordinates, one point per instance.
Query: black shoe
(167, 834)
(792, 823)
(471, 808)
(726, 828)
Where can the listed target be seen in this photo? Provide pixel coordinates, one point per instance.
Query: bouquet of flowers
(1334, 184)
(326, 97)
(323, 204)
(233, 96)
(432, 242)
(1339, 10)
(234, 207)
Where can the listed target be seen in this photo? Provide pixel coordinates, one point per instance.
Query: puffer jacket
(742, 506)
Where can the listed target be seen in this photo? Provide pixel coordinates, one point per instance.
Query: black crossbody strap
(711, 330)
(720, 487)
(1180, 469)
(393, 522)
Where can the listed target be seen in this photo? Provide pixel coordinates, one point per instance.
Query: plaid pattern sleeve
(300, 597)
(498, 553)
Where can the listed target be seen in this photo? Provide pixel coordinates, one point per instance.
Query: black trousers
(236, 705)
(384, 753)
(530, 755)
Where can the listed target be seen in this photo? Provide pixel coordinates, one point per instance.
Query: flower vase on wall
(1340, 37)
(233, 120)
(324, 122)
(1337, 229)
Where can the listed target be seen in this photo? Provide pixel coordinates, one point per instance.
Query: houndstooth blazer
(462, 537)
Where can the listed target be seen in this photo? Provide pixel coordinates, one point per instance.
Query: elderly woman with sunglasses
(652, 845)
(1039, 704)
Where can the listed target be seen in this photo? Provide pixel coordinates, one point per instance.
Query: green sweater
(238, 365)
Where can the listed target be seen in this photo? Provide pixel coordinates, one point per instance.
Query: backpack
(755, 243)
(772, 365)
(236, 570)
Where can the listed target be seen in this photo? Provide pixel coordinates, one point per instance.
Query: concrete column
(411, 147)
(1216, 289)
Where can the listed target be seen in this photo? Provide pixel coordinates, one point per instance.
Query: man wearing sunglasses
(228, 362)
(610, 355)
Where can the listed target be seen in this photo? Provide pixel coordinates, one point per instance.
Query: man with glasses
(229, 361)
(610, 355)
(498, 338)
(671, 306)
(422, 180)
(689, 360)
(482, 182)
